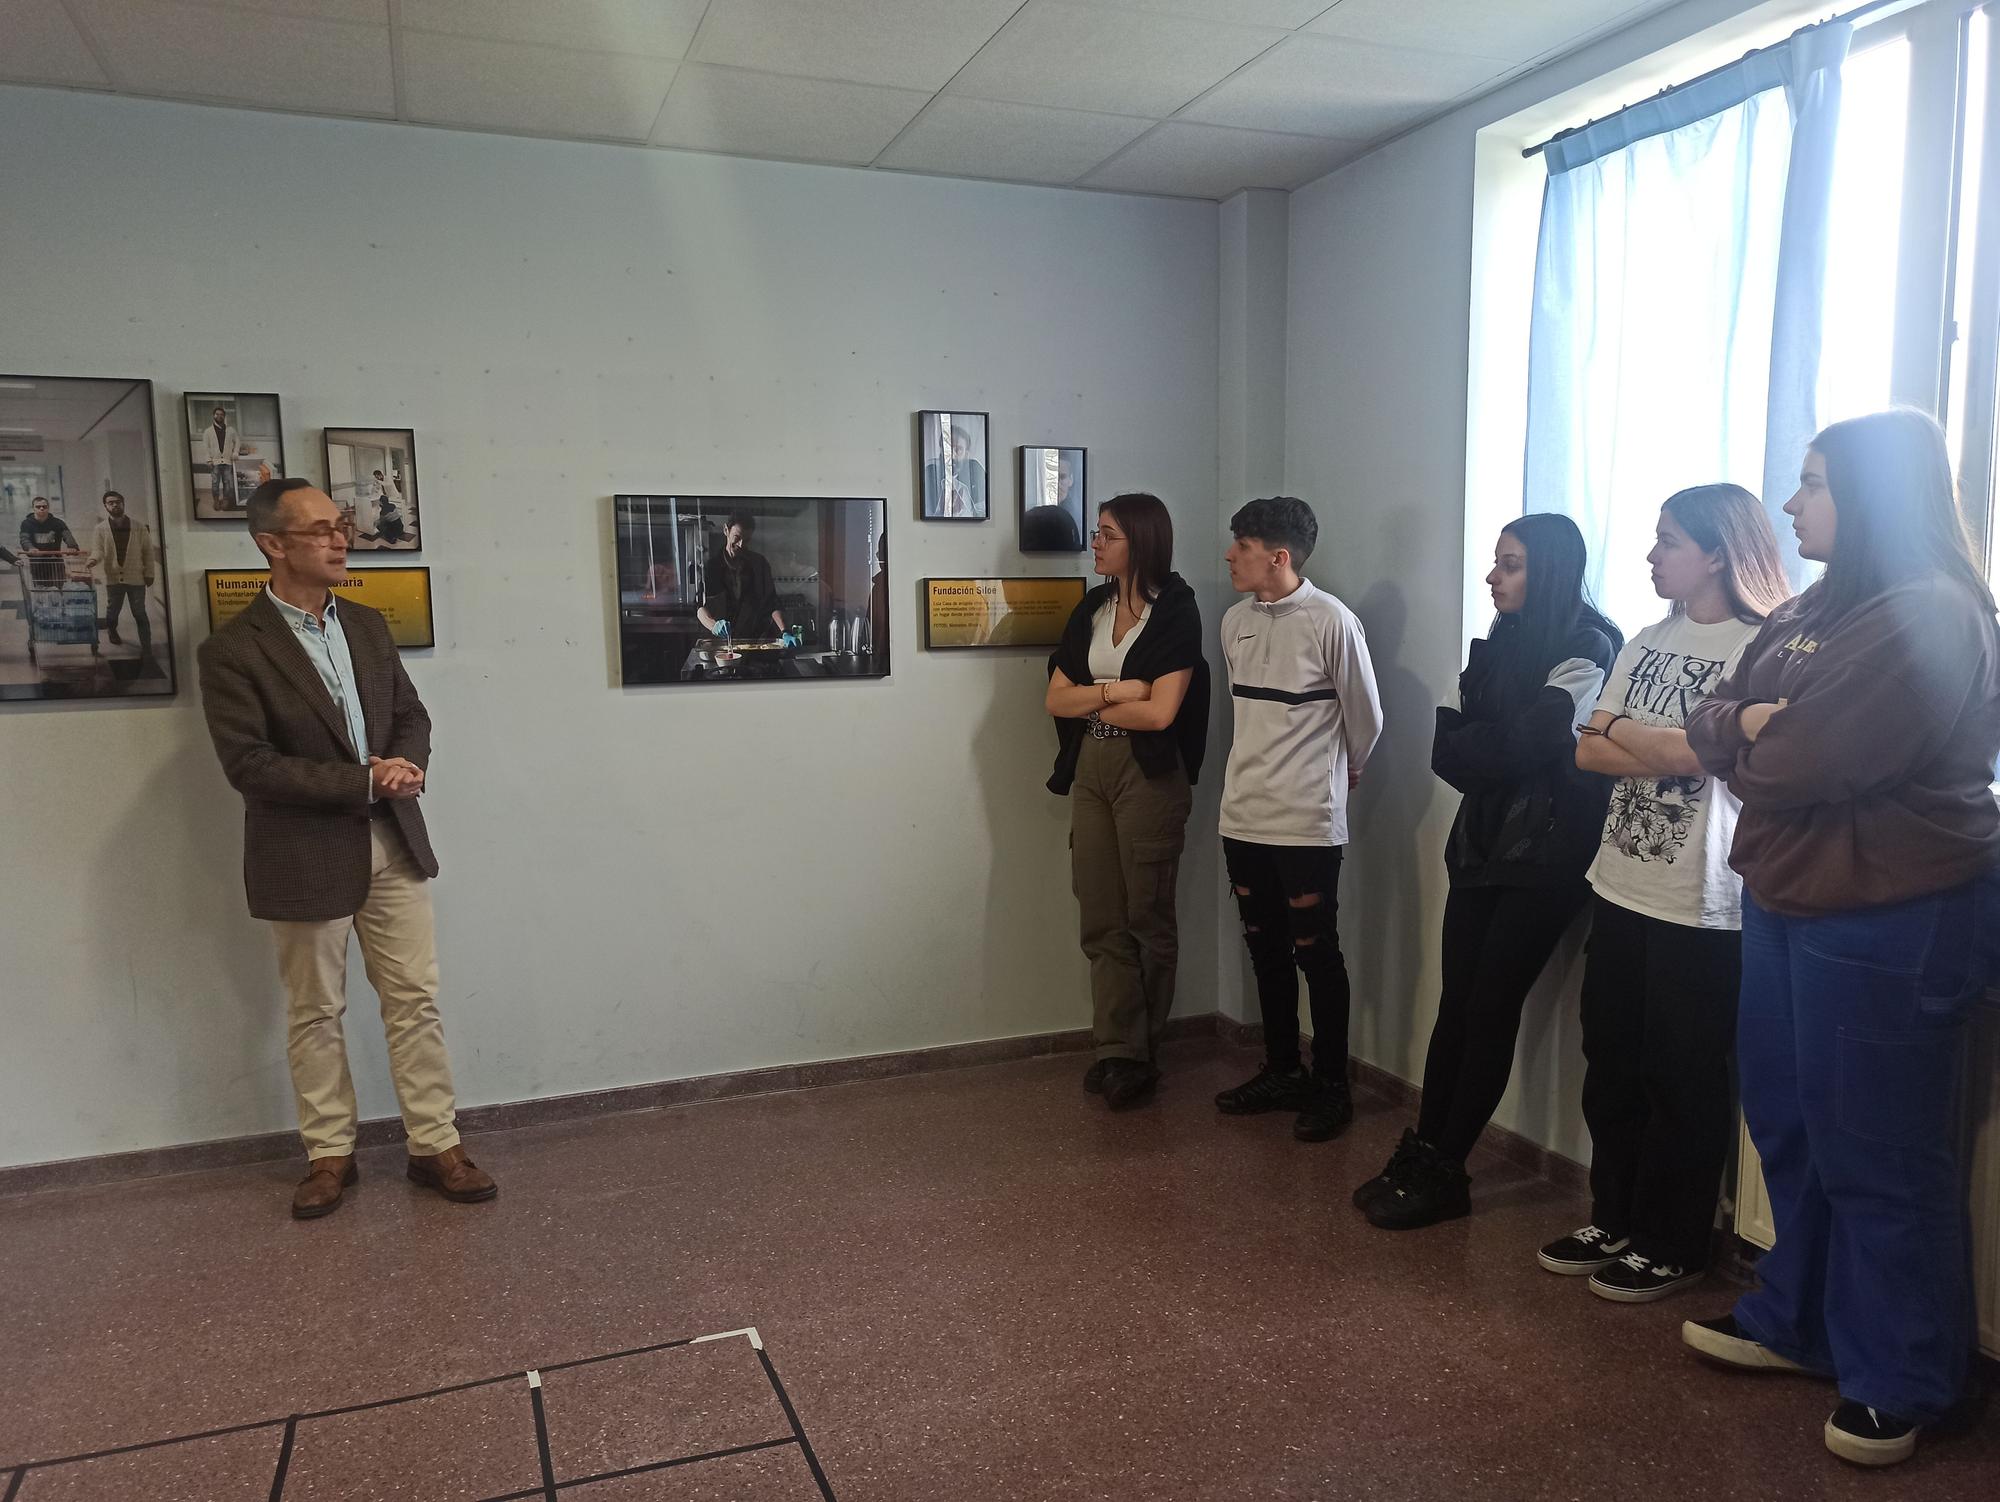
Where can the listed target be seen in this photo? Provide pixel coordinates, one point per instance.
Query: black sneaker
(1128, 1083)
(1327, 1113)
(1427, 1189)
(1268, 1090)
(1584, 1250)
(1636, 1278)
(1726, 1341)
(1864, 1436)
(1093, 1078)
(1385, 1181)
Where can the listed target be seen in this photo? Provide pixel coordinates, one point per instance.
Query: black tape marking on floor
(542, 1438)
(548, 1487)
(791, 1413)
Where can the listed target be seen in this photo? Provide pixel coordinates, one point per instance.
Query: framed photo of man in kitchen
(235, 442)
(371, 474)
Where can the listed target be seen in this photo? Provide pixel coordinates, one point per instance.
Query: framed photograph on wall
(751, 589)
(84, 609)
(951, 465)
(371, 473)
(235, 442)
(1052, 500)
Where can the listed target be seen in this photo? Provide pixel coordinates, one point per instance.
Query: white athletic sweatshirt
(1306, 710)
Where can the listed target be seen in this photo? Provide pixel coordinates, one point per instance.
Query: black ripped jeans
(1285, 938)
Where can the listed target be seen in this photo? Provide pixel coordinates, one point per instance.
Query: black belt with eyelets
(1099, 731)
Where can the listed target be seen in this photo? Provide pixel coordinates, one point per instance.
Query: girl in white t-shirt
(1660, 983)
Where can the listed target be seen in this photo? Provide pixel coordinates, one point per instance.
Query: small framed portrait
(371, 473)
(235, 442)
(1052, 500)
(951, 460)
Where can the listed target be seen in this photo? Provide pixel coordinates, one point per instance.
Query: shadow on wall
(1384, 899)
(1029, 901)
(221, 1030)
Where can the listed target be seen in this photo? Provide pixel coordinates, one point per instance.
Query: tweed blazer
(284, 746)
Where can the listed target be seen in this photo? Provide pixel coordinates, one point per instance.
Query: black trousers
(115, 598)
(1284, 940)
(1496, 941)
(1659, 1027)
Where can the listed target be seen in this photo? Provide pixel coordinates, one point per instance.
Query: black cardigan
(1169, 641)
(1530, 816)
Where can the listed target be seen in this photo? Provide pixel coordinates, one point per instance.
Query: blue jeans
(1850, 1043)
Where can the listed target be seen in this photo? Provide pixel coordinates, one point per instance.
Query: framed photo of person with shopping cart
(371, 473)
(84, 612)
(235, 442)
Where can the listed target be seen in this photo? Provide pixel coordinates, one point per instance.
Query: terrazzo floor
(976, 1284)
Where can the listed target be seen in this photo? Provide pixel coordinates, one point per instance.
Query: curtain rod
(1856, 14)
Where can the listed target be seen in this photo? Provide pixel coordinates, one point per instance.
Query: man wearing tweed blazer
(322, 732)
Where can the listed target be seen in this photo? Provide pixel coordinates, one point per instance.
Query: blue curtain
(1678, 291)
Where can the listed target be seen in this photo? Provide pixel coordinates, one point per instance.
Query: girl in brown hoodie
(1860, 731)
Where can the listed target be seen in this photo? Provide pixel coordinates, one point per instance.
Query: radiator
(1982, 1153)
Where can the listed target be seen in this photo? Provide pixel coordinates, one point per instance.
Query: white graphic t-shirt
(1666, 839)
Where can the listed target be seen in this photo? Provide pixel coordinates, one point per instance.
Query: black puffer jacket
(1530, 816)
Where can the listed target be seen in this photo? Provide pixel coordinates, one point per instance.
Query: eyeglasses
(321, 535)
(1098, 534)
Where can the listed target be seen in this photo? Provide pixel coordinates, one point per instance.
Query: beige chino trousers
(399, 952)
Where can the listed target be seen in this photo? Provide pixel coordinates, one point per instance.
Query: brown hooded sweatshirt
(1871, 784)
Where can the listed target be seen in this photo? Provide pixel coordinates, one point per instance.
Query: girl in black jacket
(1526, 831)
(1128, 688)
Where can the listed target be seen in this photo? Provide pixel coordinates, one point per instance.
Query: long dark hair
(1896, 513)
(1728, 519)
(1149, 535)
(1556, 605)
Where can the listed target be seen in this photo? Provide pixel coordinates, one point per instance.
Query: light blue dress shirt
(326, 649)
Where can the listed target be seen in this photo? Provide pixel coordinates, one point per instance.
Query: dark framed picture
(402, 592)
(951, 466)
(235, 442)
(371, 473)
(84, 612)
(1052, 500)
(747, 589)
(1000, 612)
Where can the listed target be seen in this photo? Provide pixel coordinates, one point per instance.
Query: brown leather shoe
(320, 1190)
(454, 1176)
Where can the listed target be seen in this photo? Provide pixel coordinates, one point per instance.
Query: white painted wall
(1381, 339)
(638, 884)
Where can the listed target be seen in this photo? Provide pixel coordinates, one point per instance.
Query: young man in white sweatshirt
(1307, 715)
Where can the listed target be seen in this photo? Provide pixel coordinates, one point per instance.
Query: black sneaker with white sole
(1583, 1251)
(1636, 1278)
(1865, 1436)
(1726, 1341)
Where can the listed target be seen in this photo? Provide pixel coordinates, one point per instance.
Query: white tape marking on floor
(748, 1331)
(534, 1379)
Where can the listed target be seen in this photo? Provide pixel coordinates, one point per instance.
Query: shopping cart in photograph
(62, 602)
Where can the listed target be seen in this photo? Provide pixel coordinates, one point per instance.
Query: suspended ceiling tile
(366, 12)
(542, 91)
(1212, 161)
(772, 115)
(1288, 14)
(638, 28)
(1017, 142)
(1515, 31)
(910, 44)
(242, 56)
(1328, 86)
(44, 46)
(1120, 62)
